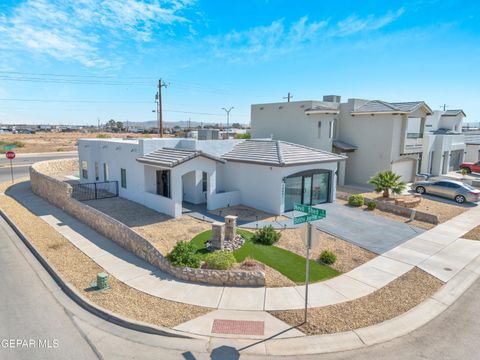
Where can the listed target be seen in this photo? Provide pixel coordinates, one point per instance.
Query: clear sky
(103, 58)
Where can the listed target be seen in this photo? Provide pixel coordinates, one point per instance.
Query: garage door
(455, 160)
(405, 169)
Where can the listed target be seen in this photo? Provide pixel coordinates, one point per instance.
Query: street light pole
(228, 120)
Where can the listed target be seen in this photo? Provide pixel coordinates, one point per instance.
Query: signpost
(312, 214)
(10, 156)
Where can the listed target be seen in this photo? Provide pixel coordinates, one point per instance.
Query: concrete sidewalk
(440, 252)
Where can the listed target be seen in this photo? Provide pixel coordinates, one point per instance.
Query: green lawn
(289, 264)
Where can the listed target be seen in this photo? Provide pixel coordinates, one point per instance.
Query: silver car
(450, 189)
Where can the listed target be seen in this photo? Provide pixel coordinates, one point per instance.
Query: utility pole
(158, 97)
(288, 97)
(444, 106)
(228, 120)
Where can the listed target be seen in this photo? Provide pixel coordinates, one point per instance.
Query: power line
(113, 102)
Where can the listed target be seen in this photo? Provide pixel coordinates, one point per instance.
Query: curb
(82, 301)
(360, 338)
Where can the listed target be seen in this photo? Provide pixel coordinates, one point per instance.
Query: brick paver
(238, 327)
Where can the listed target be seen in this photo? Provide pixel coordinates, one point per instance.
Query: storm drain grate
(238, 327)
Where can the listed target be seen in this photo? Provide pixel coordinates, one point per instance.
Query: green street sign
(310, 210)
(9, 147)
(305, 218)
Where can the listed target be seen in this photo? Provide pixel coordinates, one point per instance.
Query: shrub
(220, 260)
(328, 257)
(387, 182)
(184, 254)
(103, 136)
(266, 235)
(371, 205)
(356, 200)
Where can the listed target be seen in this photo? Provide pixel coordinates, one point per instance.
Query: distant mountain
(169, 124)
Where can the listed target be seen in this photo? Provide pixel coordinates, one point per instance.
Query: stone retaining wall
(396, 209)
(58, 192)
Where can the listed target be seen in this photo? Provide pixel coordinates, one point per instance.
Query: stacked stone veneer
(57, 192)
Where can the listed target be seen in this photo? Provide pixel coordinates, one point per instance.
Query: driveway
(371, 232)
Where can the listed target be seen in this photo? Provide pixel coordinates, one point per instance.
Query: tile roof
(278, 153)
(453, 112)
(378, 106)
(170, 157)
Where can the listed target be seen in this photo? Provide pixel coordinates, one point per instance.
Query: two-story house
(375, 134)
(443, 142)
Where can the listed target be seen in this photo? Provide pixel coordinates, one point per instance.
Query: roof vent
(332, 98)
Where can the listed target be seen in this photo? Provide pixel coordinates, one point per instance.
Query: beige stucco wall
(287, 121)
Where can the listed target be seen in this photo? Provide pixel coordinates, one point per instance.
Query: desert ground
(56, 141)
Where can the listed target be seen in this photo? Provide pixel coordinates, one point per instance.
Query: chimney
(332, 98)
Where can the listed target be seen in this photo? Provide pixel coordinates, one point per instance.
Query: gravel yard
(80, 271)
(443, 210)
(161, 230)
(473, 234)
(246, 213)
(386, 303)
(349, 256)
(391, 216)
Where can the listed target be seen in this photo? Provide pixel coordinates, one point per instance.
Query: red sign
(10, 155)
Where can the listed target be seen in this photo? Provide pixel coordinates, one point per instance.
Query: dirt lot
(399, 296)
(80, 271)
(161, 230)
(349, 256)
(55, 141)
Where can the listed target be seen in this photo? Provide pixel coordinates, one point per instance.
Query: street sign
(310, 210)
(306, 218)
(9, 147)
(10, 155)
(312, 214)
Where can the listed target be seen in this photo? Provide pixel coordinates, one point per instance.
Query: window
(319, 129)
(204, 181)
(97, 177)
(163, 183)
(123, 178)
(105, 172)
(330, 130)
(84, 169)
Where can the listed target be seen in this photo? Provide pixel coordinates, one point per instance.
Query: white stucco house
(162, 174)
(376, 135)
(443, 142)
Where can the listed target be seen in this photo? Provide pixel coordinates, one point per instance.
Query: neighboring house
(161, 174)
(472, 142)
(443, 142)
(376, 135)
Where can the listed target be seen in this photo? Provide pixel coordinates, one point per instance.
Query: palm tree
(388, 182)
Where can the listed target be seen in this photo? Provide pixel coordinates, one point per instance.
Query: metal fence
(92, 191)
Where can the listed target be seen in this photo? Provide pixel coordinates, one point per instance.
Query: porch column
(211, 186)
(341, 170)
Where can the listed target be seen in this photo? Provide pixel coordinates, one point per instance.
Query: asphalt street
(22, 162)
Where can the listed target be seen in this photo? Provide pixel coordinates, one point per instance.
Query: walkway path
(440, 252)
(358, 227)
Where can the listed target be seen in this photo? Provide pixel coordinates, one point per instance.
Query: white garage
(405, 168)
